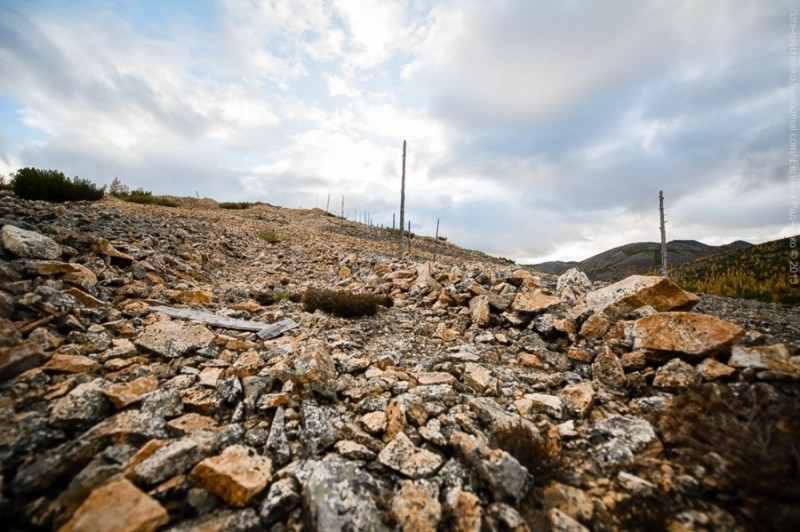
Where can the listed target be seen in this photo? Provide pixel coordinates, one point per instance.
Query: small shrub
(3, 184)
(269, 236)
(147, 198)
(118, 188)
(54, 186)
(235, 205)
(442, 238)
(644, 512)
(343, 303)
(540, 455)
(396, 232)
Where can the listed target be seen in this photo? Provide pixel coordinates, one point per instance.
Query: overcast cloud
(536, 130)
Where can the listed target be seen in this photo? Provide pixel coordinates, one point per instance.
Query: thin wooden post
(663, 234)
(342, 205)
(409, 238)
(436, 240)
(402, 199)
(328, 205)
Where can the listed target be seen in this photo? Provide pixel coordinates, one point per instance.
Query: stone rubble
(116, 416)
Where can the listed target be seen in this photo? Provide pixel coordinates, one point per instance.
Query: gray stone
(230, 390)
(319, 432)
(29, 244)
(572, 284)
(82, 407)
(339, 495)
(163, 402)
(607, 370)
(277, 442)
(245, 520)
(281, 499)
(675, 374)
(503, 474)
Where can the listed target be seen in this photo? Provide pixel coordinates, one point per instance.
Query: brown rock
(127, 393)
(71, 271)
(87, 300)
(15, 360)
(434, 377)
(578, 397)
(313, 368)
(374, 422)
(403, 456)
(572, 501)
(200, 400)
(71, 364)
(464, 509)
(174, 338)
(191, 297)
(712, 369)
(532, 302)
(772, 361)
(675, 374)
(479, 310)
(684, 332)
(636, 291)
(235, 476)
(191, 422)
(416, 508)
(248, 364)
(477, 377)
(595, 326)
(118, 506)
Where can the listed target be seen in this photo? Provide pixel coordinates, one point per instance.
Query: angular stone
(549, 404)
(595, 326)
(712, 369)
(200, 400)
(684, 332)
(191, 422)
(675, 374)
(619, 299)
(464, 510)
(503, 474)
(572, 284)
(28, 244)
(277, 442)
(477, 377)
(87, 300)
(209, 376)
(281, 499)
(20, 358)
(627, 435)
(71, 271)
(319, 432)
(403, 456)
(174, 338)
(416, 507)
(127, 393)
(314, 368)
(118, 506)
(354, 451)
(561, 522)
(235, 476)
(191, 297)
(374, 422)
(501, 516)
(247, 365)
(339, 495)
(479, 310)
(245, 520)
(496, 301)
(578, 397)
(84, 406)
(571, 500)
(532, 302)
(230, 390)
(179, 456)
(434, 377)
(773, 361)
(607, 370)
(273, 400)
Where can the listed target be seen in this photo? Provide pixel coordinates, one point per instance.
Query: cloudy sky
(536, 130)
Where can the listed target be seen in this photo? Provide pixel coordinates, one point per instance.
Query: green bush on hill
(52, 185)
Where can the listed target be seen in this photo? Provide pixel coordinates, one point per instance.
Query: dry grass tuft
(342, 303)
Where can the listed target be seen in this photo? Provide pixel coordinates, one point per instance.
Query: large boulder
(684, 332)
(636, 291)
(29, 244)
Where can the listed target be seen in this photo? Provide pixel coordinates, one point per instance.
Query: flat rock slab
(235, 476)
(173, 338)
(684, 332)
(118, 506)
(532, 302)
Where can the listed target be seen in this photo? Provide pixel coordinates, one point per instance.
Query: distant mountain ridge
(638, 258)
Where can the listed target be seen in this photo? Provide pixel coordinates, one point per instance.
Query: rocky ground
(487, 397)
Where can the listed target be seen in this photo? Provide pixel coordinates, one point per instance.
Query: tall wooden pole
(663, 234)
(436, 240)
(402, 200)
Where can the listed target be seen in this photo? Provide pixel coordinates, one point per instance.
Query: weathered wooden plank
(277, 329)
(265, 331)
